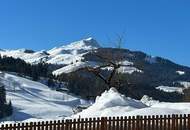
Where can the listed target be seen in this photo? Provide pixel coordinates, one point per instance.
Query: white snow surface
(58, 55)
(75, 66)
(111, 103)
(180, 72)
(33, 100)
(185, 84)
(170, 89)
(149, 101)
(127, 67)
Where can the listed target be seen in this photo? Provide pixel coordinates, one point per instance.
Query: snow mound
(113, 98)
(111, 103)
(149, 101)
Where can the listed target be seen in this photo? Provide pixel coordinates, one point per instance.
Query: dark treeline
(89, 86)
(20, 66)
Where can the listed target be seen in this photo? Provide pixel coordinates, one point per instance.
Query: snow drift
(111, 103)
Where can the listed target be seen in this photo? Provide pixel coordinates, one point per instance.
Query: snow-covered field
(112, 103)
(170, 89)
(34, 101)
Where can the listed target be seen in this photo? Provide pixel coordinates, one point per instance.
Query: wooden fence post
(121, 123)
(102, 123)
(94, 123)
(169, 124)
(117, 123)
(145, 122)
(67, 125)
(86, 123)
(153, 122)
(133, 122)
(188, 122)
(137, 123)
(185, 119)
(173, 122)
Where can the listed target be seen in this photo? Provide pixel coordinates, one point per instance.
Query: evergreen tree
(2, 95)
(5, 109)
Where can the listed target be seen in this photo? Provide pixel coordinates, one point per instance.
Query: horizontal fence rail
(166, 122)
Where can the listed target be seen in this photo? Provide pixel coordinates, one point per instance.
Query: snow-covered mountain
(71, 56)
(142, 72)
(66, 54)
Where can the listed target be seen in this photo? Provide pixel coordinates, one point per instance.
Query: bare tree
(108, 62)
(118, 41)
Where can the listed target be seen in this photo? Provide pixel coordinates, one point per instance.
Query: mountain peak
(85, 44)
(91, 42)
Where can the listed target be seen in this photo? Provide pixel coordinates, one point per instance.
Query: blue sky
(157, 27)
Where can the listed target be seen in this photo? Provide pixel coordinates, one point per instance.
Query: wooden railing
(166, 122)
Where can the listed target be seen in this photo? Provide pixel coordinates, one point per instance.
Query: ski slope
(33, 100)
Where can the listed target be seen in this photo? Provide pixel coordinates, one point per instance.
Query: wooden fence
(166, 122)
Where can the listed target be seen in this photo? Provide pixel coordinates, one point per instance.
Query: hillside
(141, 74)
(33, 100)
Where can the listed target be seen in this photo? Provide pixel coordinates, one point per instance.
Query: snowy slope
(34, 57)
(72, 52)
(58, 55)
(35, 100)
(75, 66)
